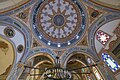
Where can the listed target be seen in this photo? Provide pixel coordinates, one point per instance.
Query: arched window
(102, 37)
(112, 64)
(97, 74)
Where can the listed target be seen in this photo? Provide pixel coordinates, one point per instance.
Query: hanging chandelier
(57, 72)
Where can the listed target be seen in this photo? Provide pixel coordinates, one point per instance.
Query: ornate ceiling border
(17, 8)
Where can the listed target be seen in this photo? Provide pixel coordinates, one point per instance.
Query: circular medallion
(9, 32)
(20, 48)
(94, 14)
(58, 23)
(22, 15)
(58, 20)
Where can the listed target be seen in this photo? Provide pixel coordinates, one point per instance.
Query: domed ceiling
(36, 29)
(58, 23)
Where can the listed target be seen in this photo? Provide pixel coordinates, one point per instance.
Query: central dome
(58, 23)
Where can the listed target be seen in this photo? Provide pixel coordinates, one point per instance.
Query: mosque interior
(59, 39)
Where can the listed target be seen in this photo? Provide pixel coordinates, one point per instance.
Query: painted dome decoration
(58, 23)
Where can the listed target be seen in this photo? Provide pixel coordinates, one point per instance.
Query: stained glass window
(102, 37)
(113, 65)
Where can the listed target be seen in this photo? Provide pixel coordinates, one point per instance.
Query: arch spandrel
(6, 50)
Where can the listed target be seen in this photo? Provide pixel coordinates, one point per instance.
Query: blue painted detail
(58, 20)
(112, 64)
(41, 50)
(19, 26)
(55, 44)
